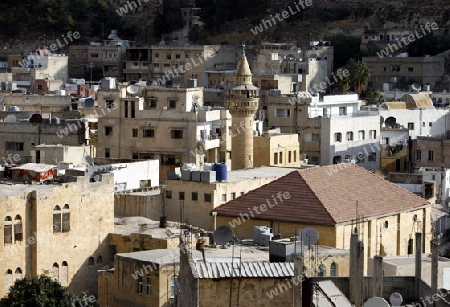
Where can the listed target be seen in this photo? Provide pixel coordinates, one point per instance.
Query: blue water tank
(221, 171)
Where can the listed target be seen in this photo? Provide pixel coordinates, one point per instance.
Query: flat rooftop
(10, 188)
(411, 260)
(142, 225)
(258, 173)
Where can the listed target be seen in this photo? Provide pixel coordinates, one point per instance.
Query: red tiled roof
(326, 196)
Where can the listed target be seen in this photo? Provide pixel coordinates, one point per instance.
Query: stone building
(59, 229)
(335, 200)
(191, 202)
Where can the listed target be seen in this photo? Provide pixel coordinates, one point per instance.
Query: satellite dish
(132, 89)
(96, 178)
(10, 119)
(309, 236)
(416, 87)
(222, 235)
(376, 302)
(89, 160)
(396, 299)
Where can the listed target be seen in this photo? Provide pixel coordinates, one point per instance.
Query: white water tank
(189, 166)
(208, 167)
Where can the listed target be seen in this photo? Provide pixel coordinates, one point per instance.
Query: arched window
(55, 271)
(7, 234)
(66, 218)
(8, 280)
(321, 270)
(99, 261)
(56, 219)
(18, 274)
(333, 269)
(64, 273)
(18, 230)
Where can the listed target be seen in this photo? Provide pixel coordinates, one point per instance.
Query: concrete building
(191, 202)
(242, 105)
(40, 67)
(389, 73)
(395, 149)
(98, 59)
(416, 113)
(431, 151)
(161, 123)
(177, 64)
(144, 278)
(58, 229)
(53, 154)
(273, 148)
(335, 200)
(331, 129)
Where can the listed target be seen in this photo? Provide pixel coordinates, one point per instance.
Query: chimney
(418, 272)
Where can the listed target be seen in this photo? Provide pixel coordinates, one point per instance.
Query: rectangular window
(315, 137)
(7, 234)
(295, 155)
(372, 134)
(126, 109)
(194, 196)
(418, 154)
(108, 130)
(169, 194)
(15, 146)
(223, 198)
(410, 69)
(281, 157)
(148, 133)
(112, 252)
(107, 153)
(18, 233)
(57, 222)
(430, 155)
(275, 158)
(156, 55)
(411, 126)
(148, 286)
(139, 285)
(338, 137)
(150, 104)
(284, 113)
(289, 156)
(172, 104)
(372, 156)
(176, 134)
(66, 222)
(233, 196)
(430, 124)
(350, 136)
(133, 109)
(361, 134)
(423, 124)
(109, 104)
(168, 56)
(342, 111)
(178, 56)
(207, 197)
(134, 133)
(181, 195)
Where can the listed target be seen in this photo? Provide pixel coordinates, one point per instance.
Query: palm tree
(360, 76)
(344, 81)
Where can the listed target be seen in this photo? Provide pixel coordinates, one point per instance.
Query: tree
(374, 97)
(41, 291)
(343, 80)
(360, 75)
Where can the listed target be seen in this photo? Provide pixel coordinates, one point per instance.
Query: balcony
(210, 141)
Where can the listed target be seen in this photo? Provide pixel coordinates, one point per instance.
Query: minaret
(242, 104)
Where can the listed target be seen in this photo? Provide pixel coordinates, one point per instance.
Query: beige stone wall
(149, 206)
(198, 212)
(119, 288)
(286, 145)
(91, 219)
(253, 292)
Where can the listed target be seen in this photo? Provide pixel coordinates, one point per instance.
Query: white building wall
(421, 120)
